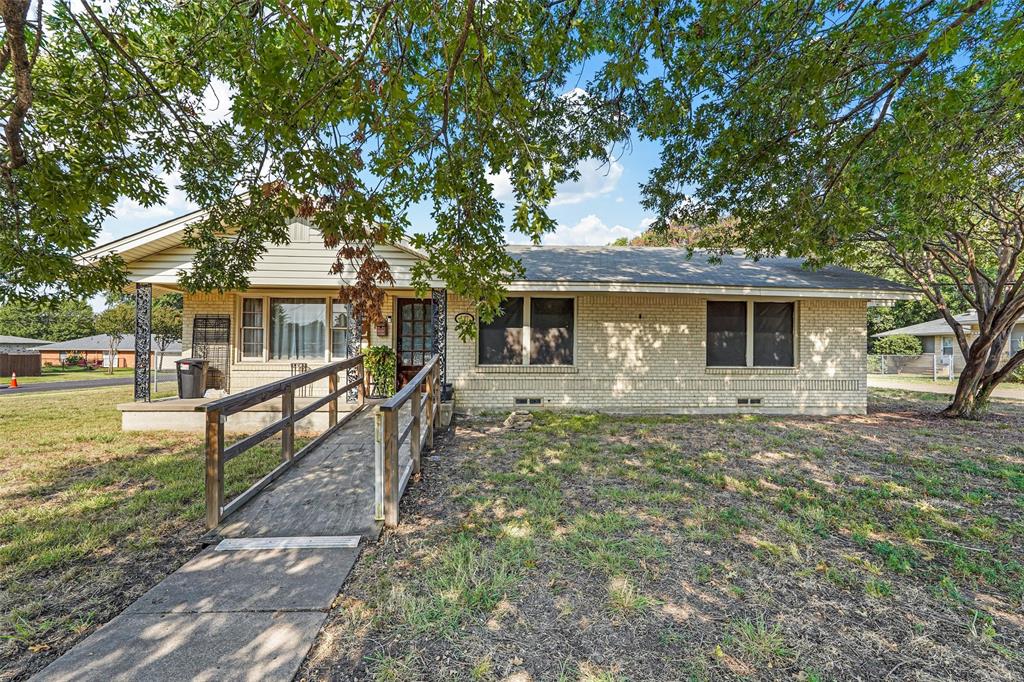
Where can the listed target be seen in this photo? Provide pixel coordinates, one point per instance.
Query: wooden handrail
(391, 477)
(218, 410)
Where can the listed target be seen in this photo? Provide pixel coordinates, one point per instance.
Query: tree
(116, 322)
(341, 113)
(60, 322)
(881, 135)
(900, 344)
(167, 329)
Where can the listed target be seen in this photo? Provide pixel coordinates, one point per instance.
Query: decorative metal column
(355, 346)
(439, 325)
(143, 331)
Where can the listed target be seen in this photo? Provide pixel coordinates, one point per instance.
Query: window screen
(551, 331)
(501, 339)
(727, 333)
(773, 334)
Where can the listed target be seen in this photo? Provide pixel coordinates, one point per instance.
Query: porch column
(439, 325)
(143, 330)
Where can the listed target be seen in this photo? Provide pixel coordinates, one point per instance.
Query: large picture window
(751, 334)
(501, 339)
(297, 328)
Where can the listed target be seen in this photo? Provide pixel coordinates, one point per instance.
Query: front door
(413, 337)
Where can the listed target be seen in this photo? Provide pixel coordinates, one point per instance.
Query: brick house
(617, 329)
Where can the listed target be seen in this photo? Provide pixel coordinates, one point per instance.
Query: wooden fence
(24, 364)
(423, 393)
(217, 412)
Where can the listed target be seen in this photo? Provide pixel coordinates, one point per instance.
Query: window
(531, 330)
(297, 328)
(947, 345)
(727, 333)
(773, 334)
(551, 322)
(340, 316)
(501, 339)
(252, 328)
(751, 334)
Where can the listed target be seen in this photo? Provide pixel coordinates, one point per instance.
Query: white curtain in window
(298, 329)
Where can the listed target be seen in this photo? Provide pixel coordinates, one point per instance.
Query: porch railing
(423, 393)
(219, 410)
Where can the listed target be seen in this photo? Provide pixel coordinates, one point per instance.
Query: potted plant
(380, 364)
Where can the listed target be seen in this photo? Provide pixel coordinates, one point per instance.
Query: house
(617, 329)
(95, 349)
(937, 336)
(18, 344)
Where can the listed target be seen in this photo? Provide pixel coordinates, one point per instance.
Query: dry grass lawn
(584, 547)
(90, 517)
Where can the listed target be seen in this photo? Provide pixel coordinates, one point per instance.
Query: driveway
(76, 384)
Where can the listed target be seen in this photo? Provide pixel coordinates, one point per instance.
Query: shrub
(380, 364)
(1017, 375)
(901, 344)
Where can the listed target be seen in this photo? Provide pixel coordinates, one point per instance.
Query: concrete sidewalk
(225, 615)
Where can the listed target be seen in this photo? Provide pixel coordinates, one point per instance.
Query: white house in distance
(937, 336)
(616, 329)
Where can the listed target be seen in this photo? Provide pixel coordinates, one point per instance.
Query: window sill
(752, 370)
(526, 369)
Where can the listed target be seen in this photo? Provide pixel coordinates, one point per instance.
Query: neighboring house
(937, 336)
(614, 329)
(18, 344)
(96, 350)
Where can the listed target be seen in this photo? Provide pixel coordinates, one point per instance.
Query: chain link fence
(933, 366)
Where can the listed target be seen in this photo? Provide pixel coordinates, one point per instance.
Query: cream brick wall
(634, 353)
(646, 353)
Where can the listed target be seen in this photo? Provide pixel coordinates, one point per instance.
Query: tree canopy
(343, 113)
(67, 320)
(882, 134)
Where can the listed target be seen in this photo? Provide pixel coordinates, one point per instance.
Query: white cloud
(592, 231)
(597, 177)
(502, 183)
(175, 203)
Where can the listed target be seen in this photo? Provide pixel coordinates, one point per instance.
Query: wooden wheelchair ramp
(250, 606)
(329, 492)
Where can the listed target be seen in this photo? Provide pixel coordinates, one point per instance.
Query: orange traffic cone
(14, 380)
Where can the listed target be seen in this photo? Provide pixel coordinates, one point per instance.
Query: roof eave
(712, 290)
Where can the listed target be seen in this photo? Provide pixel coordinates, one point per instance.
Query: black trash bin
(191, 377)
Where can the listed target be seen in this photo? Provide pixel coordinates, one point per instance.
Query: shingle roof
(937, 327)
(4, 339)
(101, 342)
(653, 265)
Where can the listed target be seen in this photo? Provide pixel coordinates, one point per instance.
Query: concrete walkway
(247, 614)
(904, 383)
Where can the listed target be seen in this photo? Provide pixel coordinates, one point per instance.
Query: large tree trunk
(981, 375)
(967, 402)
